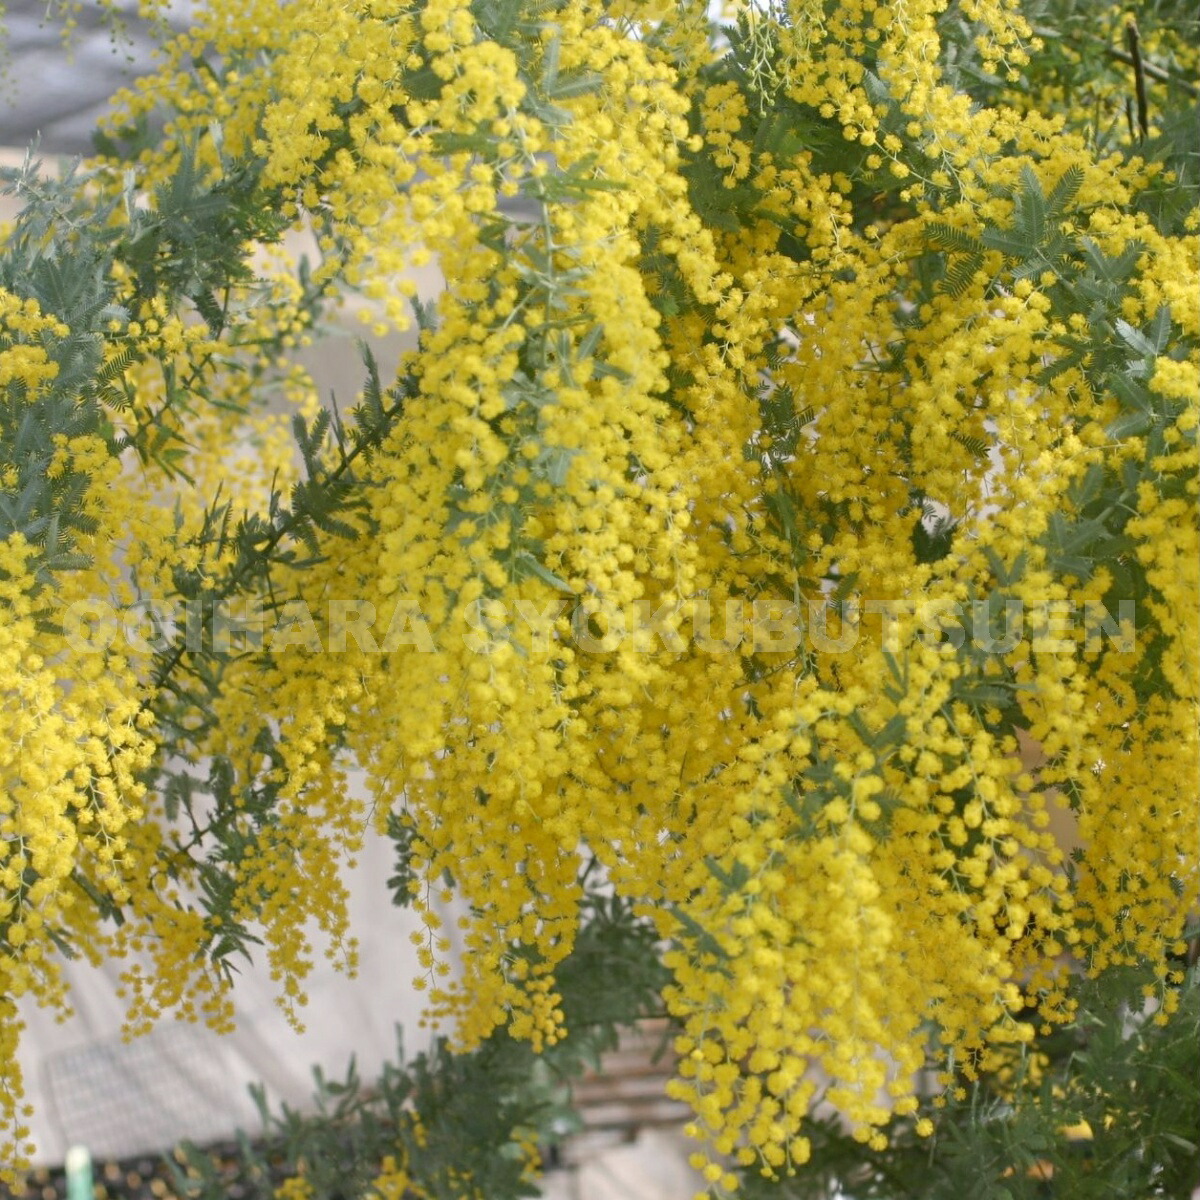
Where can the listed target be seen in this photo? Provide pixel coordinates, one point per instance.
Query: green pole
(79, 1173)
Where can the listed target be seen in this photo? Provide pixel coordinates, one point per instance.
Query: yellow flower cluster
(606, 597)
(73, 740)
(73, 747)
(81, 839)
(22, 358)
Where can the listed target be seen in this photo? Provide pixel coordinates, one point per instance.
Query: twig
(1139, 76)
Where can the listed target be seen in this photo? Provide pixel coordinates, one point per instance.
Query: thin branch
(1139, 76)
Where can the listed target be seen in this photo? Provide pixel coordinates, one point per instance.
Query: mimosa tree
(789, 509)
